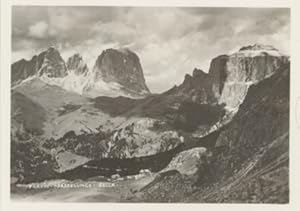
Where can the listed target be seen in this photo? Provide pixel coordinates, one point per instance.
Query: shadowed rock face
(196, 87)
(217, 71)
(23, 69)
(76, 64)
(123, 67)
(53, 64)
(48, 63)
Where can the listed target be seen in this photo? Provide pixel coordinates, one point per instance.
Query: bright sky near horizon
(169, 41)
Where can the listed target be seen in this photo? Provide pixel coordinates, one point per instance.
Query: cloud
(169, 41)
(39, 30)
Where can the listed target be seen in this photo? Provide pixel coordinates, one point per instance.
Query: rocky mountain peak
(76, 64)
(199, 73)
(53, 64)
(195, 87)
(251, 64)
(121, 66)
(48, 62)
(187, 77)
(230, 76)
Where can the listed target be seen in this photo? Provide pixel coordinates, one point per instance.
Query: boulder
(187, 162)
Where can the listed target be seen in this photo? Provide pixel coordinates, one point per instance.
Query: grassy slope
(27, 112)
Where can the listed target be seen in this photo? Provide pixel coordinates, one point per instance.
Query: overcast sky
(169, 41)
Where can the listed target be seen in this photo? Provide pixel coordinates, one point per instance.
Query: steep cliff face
(217, 71)
(77, 65)
(249, 65)
(53, 64)
(48, 63)
(123, 67)
(230, 76)
(262, 117)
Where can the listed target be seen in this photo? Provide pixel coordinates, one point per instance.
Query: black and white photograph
(133, 104)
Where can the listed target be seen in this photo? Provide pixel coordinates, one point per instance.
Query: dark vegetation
(29, 163)
(90, 145)
(123, 167)
(130, 166)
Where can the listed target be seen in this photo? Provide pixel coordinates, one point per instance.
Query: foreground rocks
(189, 162)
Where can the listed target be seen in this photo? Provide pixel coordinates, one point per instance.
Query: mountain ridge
(74, 75)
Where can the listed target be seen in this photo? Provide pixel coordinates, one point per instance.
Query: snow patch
(255, 53)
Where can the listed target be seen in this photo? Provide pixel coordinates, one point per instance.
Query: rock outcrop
(230, 76)
(249, 65)
(123, 67)
(136, 138)
(53, 64)
(196, 87)
(23, 69)
(48, 63)
(187, 162)
(76, 65)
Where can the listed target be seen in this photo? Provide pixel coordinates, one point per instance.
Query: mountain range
(116, 72)
(66, 118)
